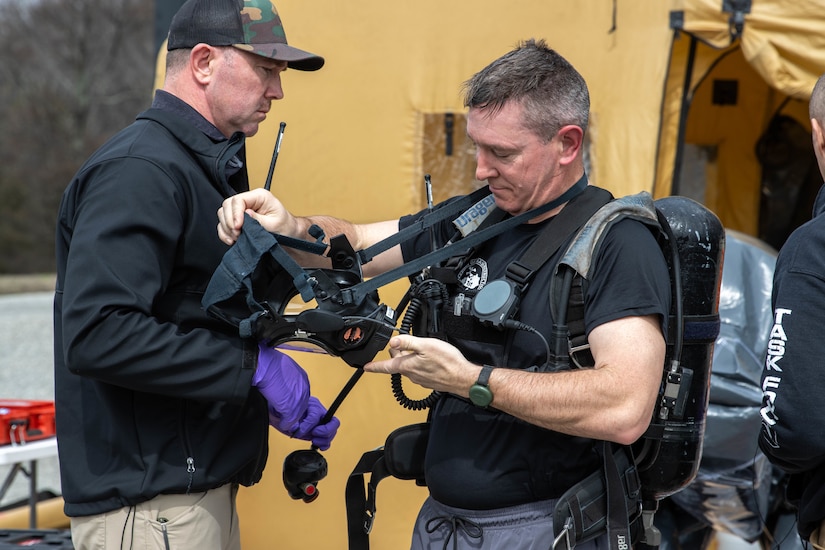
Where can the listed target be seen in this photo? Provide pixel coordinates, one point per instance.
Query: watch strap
(484, 375)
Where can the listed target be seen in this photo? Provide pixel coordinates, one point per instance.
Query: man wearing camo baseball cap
(162, 411)
(250, 25)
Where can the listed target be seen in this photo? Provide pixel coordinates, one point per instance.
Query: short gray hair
(177, 59)
(552, 92)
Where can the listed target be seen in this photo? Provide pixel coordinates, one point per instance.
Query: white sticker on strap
(469, 221)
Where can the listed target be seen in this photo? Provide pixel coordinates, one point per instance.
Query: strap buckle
(564, 537)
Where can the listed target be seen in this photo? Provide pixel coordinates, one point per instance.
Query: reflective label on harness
(473, 216)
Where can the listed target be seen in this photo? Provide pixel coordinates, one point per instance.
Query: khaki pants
(198, 521)
(817, 539)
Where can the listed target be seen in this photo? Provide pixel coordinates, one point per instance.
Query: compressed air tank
(669, 453)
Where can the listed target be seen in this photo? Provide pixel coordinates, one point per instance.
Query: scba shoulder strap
(666, 458)
(569, 283)
(609, 500)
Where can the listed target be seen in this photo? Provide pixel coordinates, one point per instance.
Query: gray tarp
(732, 489)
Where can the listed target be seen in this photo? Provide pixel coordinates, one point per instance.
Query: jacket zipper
(187, 449)
(190, 469)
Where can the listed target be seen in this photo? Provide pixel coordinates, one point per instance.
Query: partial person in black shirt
(793, 412)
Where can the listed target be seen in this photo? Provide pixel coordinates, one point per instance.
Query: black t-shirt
(482, 458)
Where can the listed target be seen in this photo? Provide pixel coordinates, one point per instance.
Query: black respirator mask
(255, 287)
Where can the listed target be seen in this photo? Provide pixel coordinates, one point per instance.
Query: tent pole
(687, 97)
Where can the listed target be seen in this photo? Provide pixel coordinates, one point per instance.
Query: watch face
(481, 396)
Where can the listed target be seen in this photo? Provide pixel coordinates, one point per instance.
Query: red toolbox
(43, 539)
(24, 420)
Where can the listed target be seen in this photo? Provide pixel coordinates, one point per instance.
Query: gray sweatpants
(523, 527)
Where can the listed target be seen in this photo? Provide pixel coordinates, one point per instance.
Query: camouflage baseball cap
(250, 25)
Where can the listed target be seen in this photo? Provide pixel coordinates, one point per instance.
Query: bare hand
(428, 362)
(261, 205)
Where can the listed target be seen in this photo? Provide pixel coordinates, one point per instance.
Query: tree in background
(72, 73)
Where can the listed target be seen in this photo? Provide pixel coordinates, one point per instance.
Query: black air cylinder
(670, 452)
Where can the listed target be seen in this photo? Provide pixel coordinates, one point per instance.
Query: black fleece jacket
(152, 395)
(793, 407)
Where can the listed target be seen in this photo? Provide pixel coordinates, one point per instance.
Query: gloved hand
(285, 386)
(309, 429)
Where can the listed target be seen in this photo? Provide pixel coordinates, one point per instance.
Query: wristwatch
(480, 394)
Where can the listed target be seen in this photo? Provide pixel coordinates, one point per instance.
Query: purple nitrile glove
(309, 428)
(285, 386)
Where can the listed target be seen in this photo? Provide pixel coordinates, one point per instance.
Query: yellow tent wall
(352, 128)
(359, 139)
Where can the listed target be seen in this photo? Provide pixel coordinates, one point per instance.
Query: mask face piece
(256, 289)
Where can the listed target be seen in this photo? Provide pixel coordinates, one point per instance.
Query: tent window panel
(447, 155)
(725, 92)
(698, 171)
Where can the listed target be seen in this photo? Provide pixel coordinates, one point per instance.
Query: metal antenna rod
(428, 186)
(268, 183)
